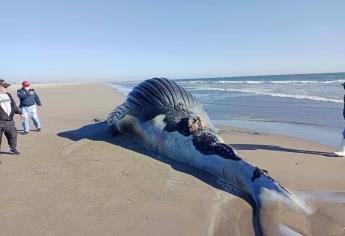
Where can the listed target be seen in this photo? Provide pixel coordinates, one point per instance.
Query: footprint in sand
(72, 147)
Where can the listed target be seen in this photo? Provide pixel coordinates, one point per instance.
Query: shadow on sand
(100, 132)
(253, 147)
(6, 153)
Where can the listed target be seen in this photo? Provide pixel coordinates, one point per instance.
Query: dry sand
(73, 178)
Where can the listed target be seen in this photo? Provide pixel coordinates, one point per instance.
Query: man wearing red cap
(28, 100)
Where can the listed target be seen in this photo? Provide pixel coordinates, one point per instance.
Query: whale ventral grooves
(160, 96)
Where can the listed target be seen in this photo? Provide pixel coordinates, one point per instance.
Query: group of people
(27, 109)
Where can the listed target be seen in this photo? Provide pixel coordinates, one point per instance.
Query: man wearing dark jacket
(28, 100)
(8, 108)
(341, 150)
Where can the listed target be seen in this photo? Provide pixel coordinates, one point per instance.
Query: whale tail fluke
(274, 210)
(115, 116)
(300, 213)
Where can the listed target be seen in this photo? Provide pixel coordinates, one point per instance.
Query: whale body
(162, 116)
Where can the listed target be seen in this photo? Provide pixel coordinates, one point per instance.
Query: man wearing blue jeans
(28, 100)
(341, 151)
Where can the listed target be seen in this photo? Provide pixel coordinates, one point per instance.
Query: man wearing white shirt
(8, 108)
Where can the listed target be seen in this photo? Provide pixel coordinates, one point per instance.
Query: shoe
(14, 151)
(38, 130)
(339, 154)
(341, 151)
(25, 132)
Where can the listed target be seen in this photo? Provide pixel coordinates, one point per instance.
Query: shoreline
(309, 133)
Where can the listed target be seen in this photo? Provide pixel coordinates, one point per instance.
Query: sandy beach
(74, 178)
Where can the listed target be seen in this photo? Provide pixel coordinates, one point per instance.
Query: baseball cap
(26, 83)
(3, 83)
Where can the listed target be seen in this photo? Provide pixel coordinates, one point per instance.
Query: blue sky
(124, 40)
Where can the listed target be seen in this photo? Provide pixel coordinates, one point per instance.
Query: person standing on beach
(341, 150)
(28, 100)
(8, 108)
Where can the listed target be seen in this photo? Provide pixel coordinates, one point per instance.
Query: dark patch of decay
(204, 140)
(208, 144)
(186, 125)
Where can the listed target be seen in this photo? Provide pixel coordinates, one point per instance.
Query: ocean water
(307, 106)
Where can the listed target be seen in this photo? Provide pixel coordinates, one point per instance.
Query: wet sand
(74, 178)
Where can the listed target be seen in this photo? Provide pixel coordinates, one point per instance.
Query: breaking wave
(340, 81)
(296, 96)
(313, 87)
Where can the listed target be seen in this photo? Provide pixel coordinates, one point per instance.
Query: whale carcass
(164, 117)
